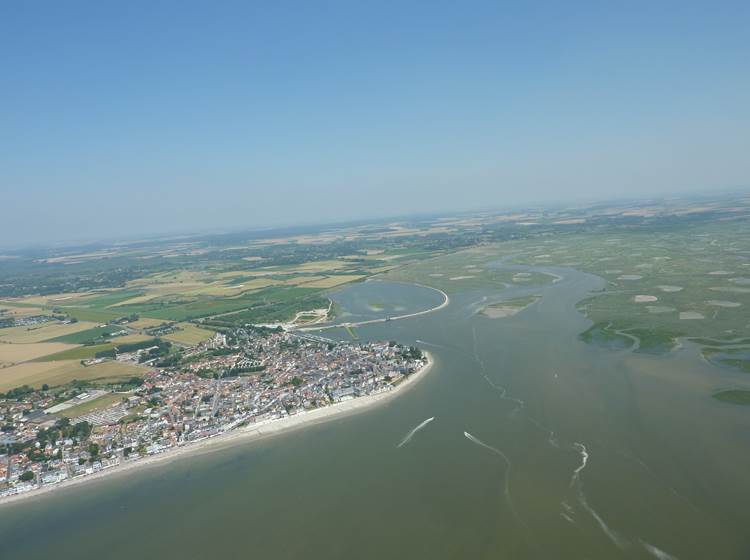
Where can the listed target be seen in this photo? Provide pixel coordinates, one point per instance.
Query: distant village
(243, 377)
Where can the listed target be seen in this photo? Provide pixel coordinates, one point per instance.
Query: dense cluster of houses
(244, 378)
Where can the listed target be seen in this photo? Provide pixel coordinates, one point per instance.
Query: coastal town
(239, 379)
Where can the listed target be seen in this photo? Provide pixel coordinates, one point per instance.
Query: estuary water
(522, 442)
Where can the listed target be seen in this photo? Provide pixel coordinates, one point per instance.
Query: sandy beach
(238, 436)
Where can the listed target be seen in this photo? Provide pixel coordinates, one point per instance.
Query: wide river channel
(541, 447)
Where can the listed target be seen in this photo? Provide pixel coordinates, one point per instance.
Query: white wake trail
(483, 372)
(508, 465)
(618, 541)
(575, 480)
(584, 459)
(657, 552)
(429, 343)
(414, 431)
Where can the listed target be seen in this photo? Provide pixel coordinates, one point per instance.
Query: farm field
(19, 311)
(76, 353)
(189, 335)
(35, 374)
(272, 294)
(89, 335)
(145, 323)
(43, 332)
(129, 338)
(16, 353)
(333, 281)
(268, 288)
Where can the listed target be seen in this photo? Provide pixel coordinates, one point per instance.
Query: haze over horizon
(120, 120)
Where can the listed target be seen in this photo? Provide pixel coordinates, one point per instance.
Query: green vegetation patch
(601, 334)
(81, 353)
(183, 310)
(106, 299)
(654, 341)
(89, 336)
(273, 311)
(735, 396)
(738, 358)
(720, 342)
(90, 314)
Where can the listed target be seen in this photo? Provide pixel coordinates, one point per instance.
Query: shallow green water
(666, 469)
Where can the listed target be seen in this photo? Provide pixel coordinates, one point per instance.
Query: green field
(88, 336)
(90, 314)
(80, 353)
(189, 335)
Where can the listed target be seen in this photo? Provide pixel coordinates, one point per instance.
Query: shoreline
(245, 434)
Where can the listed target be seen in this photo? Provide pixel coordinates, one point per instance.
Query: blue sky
(120, 118)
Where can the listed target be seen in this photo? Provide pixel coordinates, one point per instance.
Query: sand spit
(645, 299)
(723, 303)
(670, 289)
(730, 289)
(690, 315)
(500, 311)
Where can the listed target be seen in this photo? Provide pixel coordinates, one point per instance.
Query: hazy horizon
(120, 121)
(197, 229)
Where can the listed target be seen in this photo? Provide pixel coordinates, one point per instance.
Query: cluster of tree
(411, 353)
(132, 318)
(170, 360)
(406, 352)
(131, 383)
(26, 476)
(18, 392)
(93, 450)
(157, 352)
(207, 373)
(63, 429)
(238, 371)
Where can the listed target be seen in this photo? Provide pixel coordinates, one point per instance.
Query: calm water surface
(665, 472)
